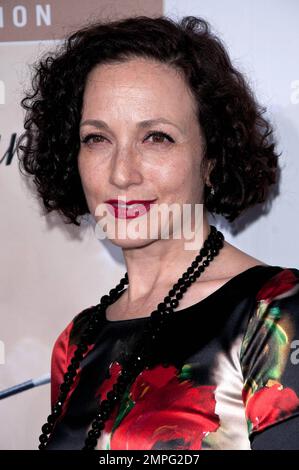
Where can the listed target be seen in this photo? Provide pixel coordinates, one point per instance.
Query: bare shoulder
(227, 264)
(230, 262)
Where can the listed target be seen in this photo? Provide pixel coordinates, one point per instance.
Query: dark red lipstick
(129, 209)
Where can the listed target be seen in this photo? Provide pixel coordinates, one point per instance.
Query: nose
(125, 168)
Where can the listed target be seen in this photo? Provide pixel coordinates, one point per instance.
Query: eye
(160, 135)
(98, 138)
(87, 139)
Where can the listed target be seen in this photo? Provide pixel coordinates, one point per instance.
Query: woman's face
(126, 157)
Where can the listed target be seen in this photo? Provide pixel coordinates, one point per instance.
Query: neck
(159, 264)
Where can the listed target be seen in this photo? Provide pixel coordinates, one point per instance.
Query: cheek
(90, 182)
(87, 171)
(84, 176)
(81, 168)
(171, 181)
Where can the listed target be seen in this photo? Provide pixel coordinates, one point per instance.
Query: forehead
(139, 82)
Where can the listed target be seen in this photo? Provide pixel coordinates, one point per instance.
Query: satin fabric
(225, 373)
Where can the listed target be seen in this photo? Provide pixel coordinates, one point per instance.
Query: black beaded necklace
(141, 356)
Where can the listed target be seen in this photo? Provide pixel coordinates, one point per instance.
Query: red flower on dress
(165, 412)
(270, 405)
(277, 285)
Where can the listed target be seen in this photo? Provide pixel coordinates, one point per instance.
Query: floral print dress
(225, 376)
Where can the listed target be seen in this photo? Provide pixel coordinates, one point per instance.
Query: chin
(131, 244)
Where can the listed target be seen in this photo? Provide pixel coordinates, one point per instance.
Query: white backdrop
(50, 271)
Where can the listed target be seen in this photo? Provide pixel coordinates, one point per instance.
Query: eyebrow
(143, 124)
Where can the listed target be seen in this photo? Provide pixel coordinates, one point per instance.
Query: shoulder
(269, 352)
(281, 285)
(276, 301)
(63, 348)
(73, 330)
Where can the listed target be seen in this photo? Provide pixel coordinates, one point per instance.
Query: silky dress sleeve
(269, 359)
(63, 350)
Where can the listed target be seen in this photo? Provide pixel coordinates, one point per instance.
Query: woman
(152, 110)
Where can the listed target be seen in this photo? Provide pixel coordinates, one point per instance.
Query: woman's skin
(127, 162)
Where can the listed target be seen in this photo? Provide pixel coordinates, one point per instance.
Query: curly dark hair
(239, 150)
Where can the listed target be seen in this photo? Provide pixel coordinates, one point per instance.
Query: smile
(124, 211)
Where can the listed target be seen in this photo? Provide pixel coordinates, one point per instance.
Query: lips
(131, 209)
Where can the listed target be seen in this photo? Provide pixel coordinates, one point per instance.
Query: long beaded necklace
(141, 356)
